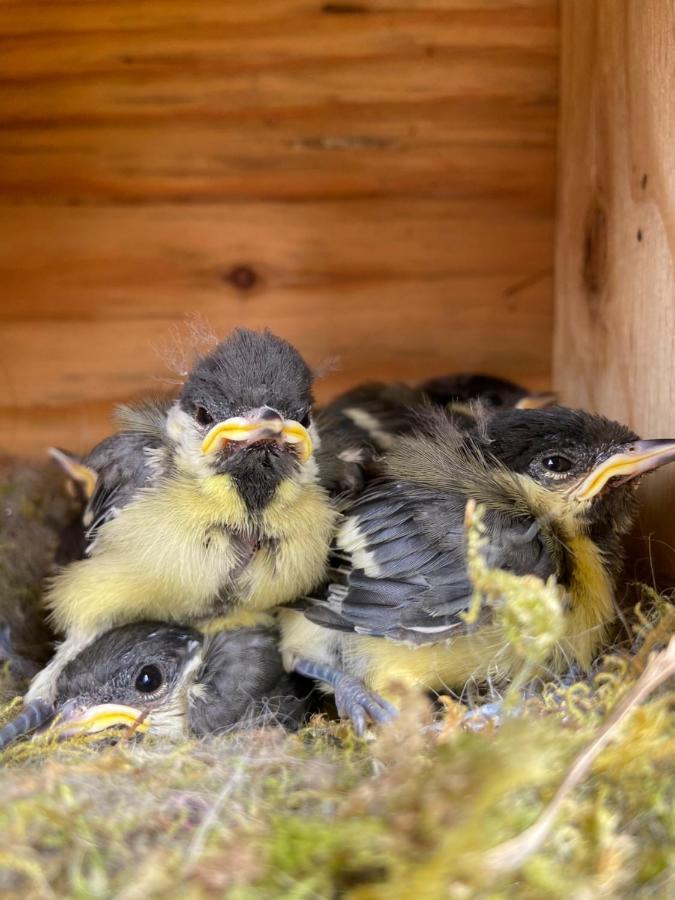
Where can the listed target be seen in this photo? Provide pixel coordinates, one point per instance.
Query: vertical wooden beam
(615, 288)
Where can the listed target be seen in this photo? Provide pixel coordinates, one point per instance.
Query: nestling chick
(557, 486)
(359, 425)
(170, 680)
(458, 392)
(40, 529)
(356, 427)
(227, 518)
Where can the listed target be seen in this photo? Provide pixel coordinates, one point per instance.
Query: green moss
(407, 815)
(410, 813)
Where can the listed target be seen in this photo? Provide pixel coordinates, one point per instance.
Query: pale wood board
(615, 283)
(375, 181)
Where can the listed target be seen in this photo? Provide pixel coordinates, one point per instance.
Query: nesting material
(423, 809)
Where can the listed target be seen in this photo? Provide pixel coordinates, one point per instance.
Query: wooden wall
(372, 179)
(615, 280)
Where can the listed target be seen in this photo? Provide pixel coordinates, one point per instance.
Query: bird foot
(353, 700)
(481, 716)
(357, 703)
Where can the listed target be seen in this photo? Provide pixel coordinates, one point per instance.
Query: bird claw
(357, 703)
(353, 700)
(481, 716)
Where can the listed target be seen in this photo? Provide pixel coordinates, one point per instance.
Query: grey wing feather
(409, 580)
(356, 427)
(242, 682)
(125, 462)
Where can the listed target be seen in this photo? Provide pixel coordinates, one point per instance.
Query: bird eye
(557, 464)
(305, 420)
(149, 679)
(202, 416)
(492, 398)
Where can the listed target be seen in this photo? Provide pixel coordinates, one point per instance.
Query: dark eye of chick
(556, 463)
(202, 416)
(492, 398)
(149, 679)
(305, 420)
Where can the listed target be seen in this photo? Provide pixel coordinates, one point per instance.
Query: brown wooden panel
(374, 181)
(154, 261)
(615, 311)
(444, 150)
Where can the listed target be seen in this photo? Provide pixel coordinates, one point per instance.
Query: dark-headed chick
(229, 519)
(170, 680)
(558, 489)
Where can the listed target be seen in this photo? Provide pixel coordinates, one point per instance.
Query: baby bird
(205, 508)
(557, 486)
(170, 680)
(458, 392)
(360, 424)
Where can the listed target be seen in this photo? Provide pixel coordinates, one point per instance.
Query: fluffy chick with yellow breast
(213, 509)
(557, 486)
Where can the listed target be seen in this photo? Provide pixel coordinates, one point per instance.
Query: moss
(410, 813)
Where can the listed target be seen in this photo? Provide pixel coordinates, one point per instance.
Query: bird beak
(461, 409)
(630, 462)
(75, 470)
(262, 424)
(537, 401)
(73, 720)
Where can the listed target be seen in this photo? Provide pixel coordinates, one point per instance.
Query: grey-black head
(592, 462)
(458, 391)
(136, 675)
(245, 411)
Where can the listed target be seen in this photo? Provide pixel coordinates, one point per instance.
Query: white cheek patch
(176, 422)
(187, 439)
(308, 471)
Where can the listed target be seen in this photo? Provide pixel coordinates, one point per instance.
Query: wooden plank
(452, 149)
(372, 180)
(494, 18)
(85, 321)
(153, 261)
(615, 285)
(286, 102)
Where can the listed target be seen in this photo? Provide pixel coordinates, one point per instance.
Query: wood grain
(373, 180)
(615, 285)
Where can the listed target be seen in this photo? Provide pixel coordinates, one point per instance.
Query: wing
(400, 566)
(124, 463)
(243, 681)
(127, 461)
(356, 427)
